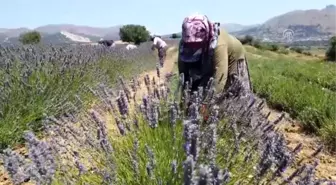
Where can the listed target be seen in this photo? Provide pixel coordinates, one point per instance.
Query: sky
(159, 18)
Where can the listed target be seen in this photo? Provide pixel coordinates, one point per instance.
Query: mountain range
(313, 24)
(63, 33)
(304, 25)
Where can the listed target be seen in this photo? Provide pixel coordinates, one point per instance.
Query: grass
(32, 90)
(304, 89)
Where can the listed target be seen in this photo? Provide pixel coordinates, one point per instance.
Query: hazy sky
(158, 17)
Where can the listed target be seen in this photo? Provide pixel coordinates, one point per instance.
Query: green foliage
(134, 33)
(307, 53)
(248, 39)
(297, 49)
(32, 37)
(258, 44)
(331, 51)
(175, 36)
(283, 51)
(274, 47)
(306, 90)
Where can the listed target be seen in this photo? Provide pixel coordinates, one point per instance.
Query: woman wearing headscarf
(207, 51)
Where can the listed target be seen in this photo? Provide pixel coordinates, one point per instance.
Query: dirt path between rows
(294, 135)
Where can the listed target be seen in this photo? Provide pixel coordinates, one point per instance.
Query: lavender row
(40, 81)
(199, 138)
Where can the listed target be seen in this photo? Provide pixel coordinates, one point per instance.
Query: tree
(256, 43)
(248, 39)
(331, 51)
(274, 47)
(297, 49)
(32, 37)
(175, 36)
(134, 33)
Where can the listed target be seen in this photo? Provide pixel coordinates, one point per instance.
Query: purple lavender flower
(16, 166)
(44, 164)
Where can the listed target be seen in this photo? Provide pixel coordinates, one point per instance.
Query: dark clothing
(107, 43)
(162, 52)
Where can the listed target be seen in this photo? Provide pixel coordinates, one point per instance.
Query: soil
(294, 135)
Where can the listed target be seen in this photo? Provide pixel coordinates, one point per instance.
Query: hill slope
(55, 38)
(229, 27)
(15, 32)
(233, 27)
(66, 33)
(78, 29)
(311, 24)
(306, 24)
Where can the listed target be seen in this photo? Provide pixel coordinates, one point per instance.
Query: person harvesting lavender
(206, 51)
(161, 46)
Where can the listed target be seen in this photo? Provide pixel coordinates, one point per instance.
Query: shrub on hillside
(283, 51)
(331, 52)
(274, 47)
(257, 44)
(241, 39)
(175, 36)
(134, 33)
(307, 53)
(297, 49)
(32, 37)
(248, 39)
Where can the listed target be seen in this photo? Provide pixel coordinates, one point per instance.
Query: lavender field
(37, 82)
(76, 110)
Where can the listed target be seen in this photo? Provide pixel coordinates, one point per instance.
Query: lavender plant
(41, 81)
(167, 139)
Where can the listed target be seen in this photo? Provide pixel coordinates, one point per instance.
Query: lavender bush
(41, 81)
(164, 139)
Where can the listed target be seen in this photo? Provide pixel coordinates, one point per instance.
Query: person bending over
(207, 51)
(161, 46)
